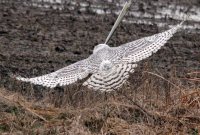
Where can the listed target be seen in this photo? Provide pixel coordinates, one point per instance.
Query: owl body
(109, 67)
(99, 56)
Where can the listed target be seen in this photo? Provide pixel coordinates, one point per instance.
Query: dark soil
(35, 41)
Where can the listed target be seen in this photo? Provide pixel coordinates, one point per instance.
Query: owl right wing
(128, 54)
(140, 49)
(61, 77)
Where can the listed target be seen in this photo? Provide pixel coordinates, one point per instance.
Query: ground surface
(35, 41)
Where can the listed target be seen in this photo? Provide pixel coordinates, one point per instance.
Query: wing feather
(140, 49)
(112, 80)
(127, 54)
(64, 76)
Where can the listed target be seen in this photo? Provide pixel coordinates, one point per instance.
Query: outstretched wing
(64, 76)
(112, 80)
(130, 53)
(140, 49)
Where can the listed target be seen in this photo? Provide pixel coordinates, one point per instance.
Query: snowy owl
(108, 67)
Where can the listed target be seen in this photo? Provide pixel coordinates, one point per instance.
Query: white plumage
(109, 67)
(111, 79)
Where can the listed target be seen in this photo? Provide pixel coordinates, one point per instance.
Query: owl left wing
(140, 49)
(61, 77)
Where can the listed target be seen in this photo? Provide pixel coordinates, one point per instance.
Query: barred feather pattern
(112, 79)
(128, 53)
(140, 49)
(64, 76)
(121, 61)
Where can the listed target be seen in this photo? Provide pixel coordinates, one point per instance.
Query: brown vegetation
(144, 110)
(161, 97)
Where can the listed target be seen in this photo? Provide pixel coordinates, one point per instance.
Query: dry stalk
(14, 99)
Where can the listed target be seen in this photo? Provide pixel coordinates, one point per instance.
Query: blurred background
(41, 36)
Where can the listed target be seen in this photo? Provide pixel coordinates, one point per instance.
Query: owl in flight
(108, 67)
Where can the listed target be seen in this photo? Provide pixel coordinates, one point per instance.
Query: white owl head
(99, 47)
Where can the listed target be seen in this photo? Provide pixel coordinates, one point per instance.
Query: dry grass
(154, 106)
